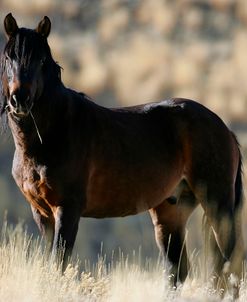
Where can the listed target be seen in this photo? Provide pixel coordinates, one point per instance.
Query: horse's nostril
(13, 101)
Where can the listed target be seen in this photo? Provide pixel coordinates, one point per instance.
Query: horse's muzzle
(20, 108)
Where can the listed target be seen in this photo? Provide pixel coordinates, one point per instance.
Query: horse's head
(23, 65)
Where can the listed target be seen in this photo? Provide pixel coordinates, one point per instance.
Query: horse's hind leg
(213, 259)
(218, 203)
(169, 224)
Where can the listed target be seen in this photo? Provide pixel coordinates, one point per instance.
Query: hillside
(124, 52)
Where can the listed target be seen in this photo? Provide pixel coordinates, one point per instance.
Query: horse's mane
(24, 47)
(3, 101)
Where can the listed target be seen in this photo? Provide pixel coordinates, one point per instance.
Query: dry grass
(27, 275)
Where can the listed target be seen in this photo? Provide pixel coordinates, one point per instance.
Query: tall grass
(26, 274)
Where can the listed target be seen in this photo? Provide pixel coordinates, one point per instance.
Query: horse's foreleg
(169, 224)
(66, 227)
(46, 227)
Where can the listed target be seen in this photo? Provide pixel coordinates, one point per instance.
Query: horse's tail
(238, 181)
(239, 254)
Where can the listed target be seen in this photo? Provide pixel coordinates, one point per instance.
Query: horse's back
(142, 153)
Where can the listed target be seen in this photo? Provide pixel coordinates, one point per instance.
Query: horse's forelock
(31, 45)
(26, 47)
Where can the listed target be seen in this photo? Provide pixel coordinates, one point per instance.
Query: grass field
(27, 275)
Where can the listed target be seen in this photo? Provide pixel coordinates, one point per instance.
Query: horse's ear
(44, 27)
(10, 25)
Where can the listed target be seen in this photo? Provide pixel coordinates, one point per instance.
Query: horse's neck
(50, 117)
(22, 138)
(28, 131)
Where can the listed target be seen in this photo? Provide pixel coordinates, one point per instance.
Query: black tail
(239, 184)
(239, 254)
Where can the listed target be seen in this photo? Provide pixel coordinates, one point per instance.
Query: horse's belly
(123, 200)
(119, 207)
(103, 208)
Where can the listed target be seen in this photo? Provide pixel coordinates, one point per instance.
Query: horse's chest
(32, 181)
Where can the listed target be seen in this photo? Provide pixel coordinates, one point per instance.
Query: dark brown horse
(75, 159)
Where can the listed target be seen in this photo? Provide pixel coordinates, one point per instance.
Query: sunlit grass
(26, 274)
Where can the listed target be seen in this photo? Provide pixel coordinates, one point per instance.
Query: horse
(74, 158)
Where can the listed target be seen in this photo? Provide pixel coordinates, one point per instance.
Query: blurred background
(124, 52)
